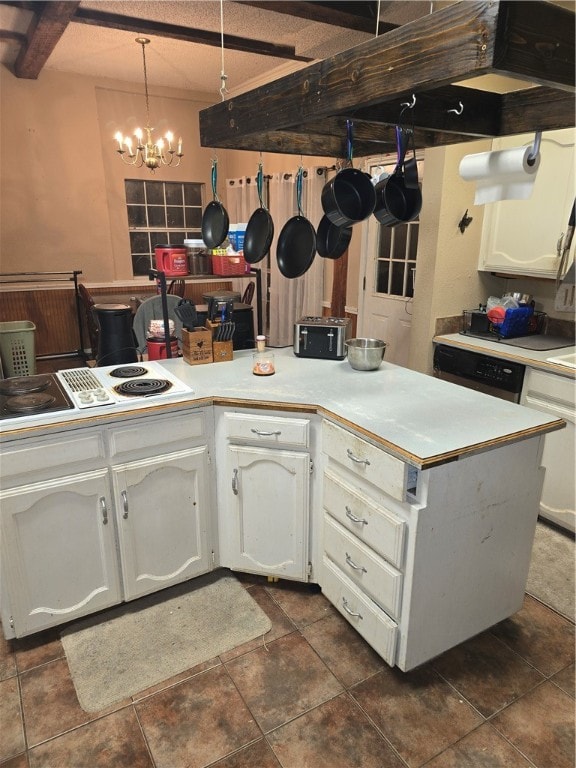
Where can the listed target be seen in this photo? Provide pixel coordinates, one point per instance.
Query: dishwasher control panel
(501, 374)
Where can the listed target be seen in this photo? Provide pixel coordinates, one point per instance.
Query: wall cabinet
(263, 494)
(520, 237)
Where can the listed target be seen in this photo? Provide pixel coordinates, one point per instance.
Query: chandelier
(142, 150)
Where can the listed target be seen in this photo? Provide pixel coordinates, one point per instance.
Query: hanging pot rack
(305, 112)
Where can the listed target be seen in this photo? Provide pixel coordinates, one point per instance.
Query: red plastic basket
(229, 265)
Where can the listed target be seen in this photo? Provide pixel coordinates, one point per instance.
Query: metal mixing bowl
(365, 354)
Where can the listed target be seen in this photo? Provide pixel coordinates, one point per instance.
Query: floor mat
(138, 644)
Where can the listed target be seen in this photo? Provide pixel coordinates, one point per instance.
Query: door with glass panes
(387, 277)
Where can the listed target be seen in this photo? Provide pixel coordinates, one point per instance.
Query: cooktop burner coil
(142, 387)
(128, 371)
(21, 385)
(30, 403)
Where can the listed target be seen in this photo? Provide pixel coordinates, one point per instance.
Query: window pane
(413, 248)
(155, 193)
(383, 270)
(410, 277)
(136, 216)
(174, 194)
(397, 287)
(176, 238)
(139, 242)
(158, 238)
(193, 194)
(134, 191)
(156, 216)
(400, 235)
(174, 216)
(385, 241)
(193, 217)
(140, 265)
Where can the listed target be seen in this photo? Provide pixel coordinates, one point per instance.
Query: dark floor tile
(282, 680)
(483, 748)
(302, 603)
(20, 761)
(12, 739)
(50, 703)
(258, 755)
(487, 673)
(418, 712)
(196, 722)
(281, 624)
(7, 658)
(38, 649)
(342, 649)
(566, 679)
(541, 726)
(114, 741)
(534, 631)
(334, 735)
(179, 678)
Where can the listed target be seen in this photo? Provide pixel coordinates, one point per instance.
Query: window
(159, 213)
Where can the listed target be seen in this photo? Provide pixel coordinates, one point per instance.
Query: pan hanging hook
(531, 159)
(456, 111)
(223, 75)
(408, 105)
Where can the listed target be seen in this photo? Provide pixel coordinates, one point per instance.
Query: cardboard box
(197, 346)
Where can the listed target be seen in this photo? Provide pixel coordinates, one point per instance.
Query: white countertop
(528, 357)
(416, 417)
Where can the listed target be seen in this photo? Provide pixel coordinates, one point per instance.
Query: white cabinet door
(58, 552)
(264, 514)
(162, 514)
(521, 236)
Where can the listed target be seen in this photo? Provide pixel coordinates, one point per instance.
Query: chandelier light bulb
(149, 153)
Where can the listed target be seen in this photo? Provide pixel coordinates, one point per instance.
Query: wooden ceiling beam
(186, 34)
(45, 30)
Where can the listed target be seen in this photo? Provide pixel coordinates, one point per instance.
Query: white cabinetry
(520, 236)
(555, 395)
(58, 545)
(263, 494)
(117, 512)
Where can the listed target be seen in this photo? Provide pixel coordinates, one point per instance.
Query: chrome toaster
(321, 337)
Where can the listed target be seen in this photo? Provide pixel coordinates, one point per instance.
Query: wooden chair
(91, 323)
(177, 288)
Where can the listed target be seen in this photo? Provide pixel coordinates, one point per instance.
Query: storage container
(17, 348)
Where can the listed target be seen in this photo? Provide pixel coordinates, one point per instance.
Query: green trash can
(17, 350)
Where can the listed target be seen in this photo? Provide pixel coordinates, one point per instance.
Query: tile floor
(314, 696)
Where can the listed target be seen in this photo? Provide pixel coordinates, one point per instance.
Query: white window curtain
(289, 299)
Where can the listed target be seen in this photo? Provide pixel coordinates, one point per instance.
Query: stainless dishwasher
(484, 373)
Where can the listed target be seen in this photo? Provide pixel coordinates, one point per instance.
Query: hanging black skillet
(296, 246)
(332, 241)
(260, 228)
(215, 221)
(398, 196)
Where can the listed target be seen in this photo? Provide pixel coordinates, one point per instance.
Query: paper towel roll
(502, 175)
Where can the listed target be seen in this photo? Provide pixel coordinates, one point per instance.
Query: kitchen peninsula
(412, 502)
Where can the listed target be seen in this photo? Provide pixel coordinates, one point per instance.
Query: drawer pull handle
(352, 564)
(125, 504)
(349, 610)
(104, 510)
(356, 459)
(235, 482)
(351, 516)
(261, 433)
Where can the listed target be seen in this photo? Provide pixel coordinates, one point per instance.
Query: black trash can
(116, 343)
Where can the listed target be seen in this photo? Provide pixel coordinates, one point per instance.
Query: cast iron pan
(332, 241)
(260, 229)
(215, 221)
(296, 246)
(398, 197)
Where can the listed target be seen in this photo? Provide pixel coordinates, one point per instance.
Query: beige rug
(551, 574)
(138, 644)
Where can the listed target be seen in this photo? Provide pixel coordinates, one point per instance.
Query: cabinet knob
(351, 516)
(104, 510)
(356, 459)
(124, 504)
(235, 482)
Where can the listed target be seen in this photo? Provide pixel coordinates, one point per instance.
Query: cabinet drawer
(52, 454)
(365, 460)
(272, 431)
(368, 521)
(374, 625)
(371, 573)
(151, 434)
